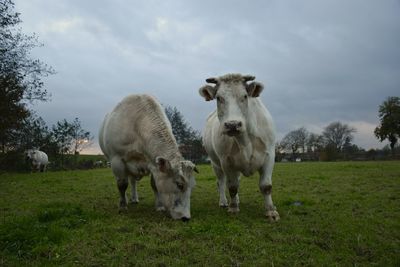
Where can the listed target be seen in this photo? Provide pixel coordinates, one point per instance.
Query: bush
(13, 161)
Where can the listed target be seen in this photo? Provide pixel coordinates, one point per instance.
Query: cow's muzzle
(233, 128)
(185, 219)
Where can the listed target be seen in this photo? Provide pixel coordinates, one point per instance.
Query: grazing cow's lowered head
(174, 183)
(232, 92)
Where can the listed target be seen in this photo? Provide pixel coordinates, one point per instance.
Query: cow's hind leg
(134, 199)
(159, 205)
(266, 187)
(223, 202)
(119, 170)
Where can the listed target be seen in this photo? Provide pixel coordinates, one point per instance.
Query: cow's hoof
(123, 209)
(133, 201)
(272, 215)
(223, 204)
(233, 209)
(160, 208)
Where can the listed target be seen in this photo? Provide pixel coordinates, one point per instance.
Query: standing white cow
(136, 137)
(37, 159)
(239, 137)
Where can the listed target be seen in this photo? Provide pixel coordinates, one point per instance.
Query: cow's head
(232, 92)
(174, 182)
(30, 154)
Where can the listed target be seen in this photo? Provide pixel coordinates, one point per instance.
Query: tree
(389, 115)
(71, 138)
(36, 134)
(336, 134)
(350, 150)
(20, 75)
(62, 132)
(80, 138)
(295, 140)
(181, 130)
(188, 139)
(315, 142)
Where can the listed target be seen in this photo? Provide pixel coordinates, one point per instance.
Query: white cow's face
(174, 185)
(232, 93)
(232, 107)
(30, 154)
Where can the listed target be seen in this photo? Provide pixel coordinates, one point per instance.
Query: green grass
(350, 216)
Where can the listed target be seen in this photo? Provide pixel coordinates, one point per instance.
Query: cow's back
(45, 158)
(39, 160)
(130, 124)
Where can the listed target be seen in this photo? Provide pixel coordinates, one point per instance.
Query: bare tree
(336, 134)
(295, 140)
(71, 138)
(315, 142)
(80, 138)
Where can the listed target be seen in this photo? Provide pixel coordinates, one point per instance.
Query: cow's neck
(244, 144)
(158, 140)
(166, 148)
(243, 140)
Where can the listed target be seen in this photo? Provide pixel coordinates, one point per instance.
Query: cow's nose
(185, 219)
(233, 125)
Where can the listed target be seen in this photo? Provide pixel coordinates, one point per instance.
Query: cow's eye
(180, 186)
(220, 99)
(244, 98)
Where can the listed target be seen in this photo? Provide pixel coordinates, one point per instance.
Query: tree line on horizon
(335, 141)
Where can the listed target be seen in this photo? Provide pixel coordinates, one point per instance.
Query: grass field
(350, 216)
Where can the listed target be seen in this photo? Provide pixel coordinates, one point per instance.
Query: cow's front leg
(221, 182)
(121, 177)
(159, 205)
(266, 187)
(233, 179)
(42, 167)
(35, 168)
(134, 195)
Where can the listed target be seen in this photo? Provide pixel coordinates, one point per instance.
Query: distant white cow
(37, 159)
(98, 164)
(239, 137)
(136, 137)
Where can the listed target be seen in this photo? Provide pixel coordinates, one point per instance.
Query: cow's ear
(163, 164)
(208, 92)
(254, 89)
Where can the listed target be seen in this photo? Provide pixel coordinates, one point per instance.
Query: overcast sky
(320, 61)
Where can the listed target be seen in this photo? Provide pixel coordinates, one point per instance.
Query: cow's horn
(247, 78)
(212, 80)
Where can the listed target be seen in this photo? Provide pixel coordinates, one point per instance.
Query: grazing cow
(136, 137)
(37, 159)
(239, 137)
(98, 164)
